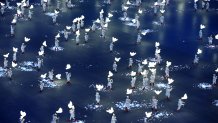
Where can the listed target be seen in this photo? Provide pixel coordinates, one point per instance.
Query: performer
(127, 104)
(154, 103)
(97, 98)
(180, 104)
(113, 119)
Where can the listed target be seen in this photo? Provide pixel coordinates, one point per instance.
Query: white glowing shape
(216, 70)
(140, 11)
(110, 74)
(117, 59)
(148, 114)
(157, 44)
(6, 55)
(184, 97)
(170, 81)
(152, 64)
(132, 53)
(41, 53)
(114, 39)
(70, 105)
(68, 66)
(216, 36)
(58, 35)
(157, 92)
(133, 73)
(43, 76)
(168, 63)
(202, 26)
(199, 51)
(15, 49)
(68, 27)
(110, 111)
(128, 91)
(59, 111)
(22, 114)
(44, 44)
(99, 87)
(87, 30)
(110, 15)
(26, 39)
(145, 61)
(58, 76)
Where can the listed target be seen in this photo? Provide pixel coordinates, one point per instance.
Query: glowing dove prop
(98, 21)
(125, 7)
(31, 7)
(170, 81)
(68, 66)
(70, 105)
(114, 39)
(157, 44)
(140, 11)
(15, 49)
(133, 73)
(168, 63)
(117, 59)
(43, 76)
(58, 76)
(162, 11)
(144, 62)
(99, 87)
(59, 111)
(26, 39)
(132, 53)
(22, 114)
(87, 30)
(199, 51)
(40, 53)
(148, 114)
(6, 55)
(68, 27)
(216, 70)
(13, 64)
(152, 64)
(184, 97)
(157, 92)
(110, 111)
(128, 91)
(110, 15)
(128, 3)
(202, 26)
(44, 44)
(58, 35)
(216, 36)
(110, 74)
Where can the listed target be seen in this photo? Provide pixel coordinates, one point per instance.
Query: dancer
(127, 104)
(154, 103)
